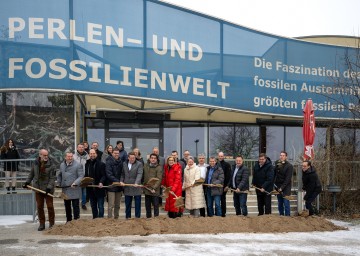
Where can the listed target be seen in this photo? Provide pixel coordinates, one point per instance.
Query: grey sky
(289, 18)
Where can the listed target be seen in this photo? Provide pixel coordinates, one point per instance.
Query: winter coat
(155, 171)
(69, 174)
(172, 178)
(81, 158)
(283, 175)
(104, 157)
(43, 180)
(7, 154)
(311, 182)
(194, 195)
(241, 178)
(96, 170)
(99, 154)
(132, 176)
(227, 170)
(216, 178)
(123, 155)
(114, 169)
(263, 176)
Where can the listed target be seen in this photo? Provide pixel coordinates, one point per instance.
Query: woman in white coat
(194, 199)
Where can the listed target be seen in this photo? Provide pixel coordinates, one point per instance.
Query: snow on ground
(344, 242)
(14, 219)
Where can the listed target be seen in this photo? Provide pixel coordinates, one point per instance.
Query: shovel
(62, 195)
(245, 192)
(213, 185)
(86, 181)
(166, 192)
(286, 197)
(179, 201)
(196, 183)
(260, 190)
(152, 181)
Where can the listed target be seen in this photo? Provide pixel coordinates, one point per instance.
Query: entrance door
(145, 145)
(144, 136)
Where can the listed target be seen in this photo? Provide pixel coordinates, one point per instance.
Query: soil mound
(188, 225)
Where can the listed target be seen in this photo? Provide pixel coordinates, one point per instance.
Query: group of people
(115, 172)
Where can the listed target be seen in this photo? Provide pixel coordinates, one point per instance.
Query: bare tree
(237, 140)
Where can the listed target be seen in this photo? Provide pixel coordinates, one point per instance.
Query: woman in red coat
(172, 178)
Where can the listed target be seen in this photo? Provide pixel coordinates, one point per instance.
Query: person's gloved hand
(26, 184)
(48, 190)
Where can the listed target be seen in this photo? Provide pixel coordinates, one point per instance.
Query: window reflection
(171, 138)
(192, 132)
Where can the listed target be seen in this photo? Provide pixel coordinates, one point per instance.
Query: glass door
(144, 136)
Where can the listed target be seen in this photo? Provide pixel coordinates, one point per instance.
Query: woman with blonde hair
(172, 179)
(107, 152)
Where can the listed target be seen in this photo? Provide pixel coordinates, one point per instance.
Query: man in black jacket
(263, 176)
(114, 169)
(95, 169)
(227, 174)
(311, 185)
(239, 183)
(282, 183)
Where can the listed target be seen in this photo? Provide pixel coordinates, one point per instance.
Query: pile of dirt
(189, 225)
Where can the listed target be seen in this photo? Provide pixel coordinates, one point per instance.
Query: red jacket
(172, 178)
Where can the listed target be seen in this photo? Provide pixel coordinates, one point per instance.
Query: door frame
(133, 135)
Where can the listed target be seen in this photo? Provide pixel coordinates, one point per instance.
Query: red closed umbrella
(309, 130)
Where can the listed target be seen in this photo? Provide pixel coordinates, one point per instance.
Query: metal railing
(21, 166)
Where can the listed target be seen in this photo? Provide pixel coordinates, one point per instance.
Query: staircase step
(86, 214)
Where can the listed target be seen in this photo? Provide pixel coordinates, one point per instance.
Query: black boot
(13, 190)
(41, 227)
(8, 190)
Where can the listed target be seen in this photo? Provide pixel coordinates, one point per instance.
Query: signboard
(152, 50)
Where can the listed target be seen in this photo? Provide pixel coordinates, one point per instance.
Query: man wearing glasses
(43, 175)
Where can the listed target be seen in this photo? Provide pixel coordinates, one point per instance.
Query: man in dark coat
(114, 169)
(214, 176)
(311, 185)
(282, 183)
(239, 182)
(95, 169)
(263, 176)
(95, 145)
(227, 175)
(43, 175)
(123, 154)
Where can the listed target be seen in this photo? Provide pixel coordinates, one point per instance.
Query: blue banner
(152, 50)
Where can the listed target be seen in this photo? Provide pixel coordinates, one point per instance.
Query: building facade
(153, 74)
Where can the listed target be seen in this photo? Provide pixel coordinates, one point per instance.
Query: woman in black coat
(311, 185)
(9, 151)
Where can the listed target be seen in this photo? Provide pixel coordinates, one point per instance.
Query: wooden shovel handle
(39, 190)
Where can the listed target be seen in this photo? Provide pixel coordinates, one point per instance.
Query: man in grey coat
(69, 178)
(82, 156)
(132, 174)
